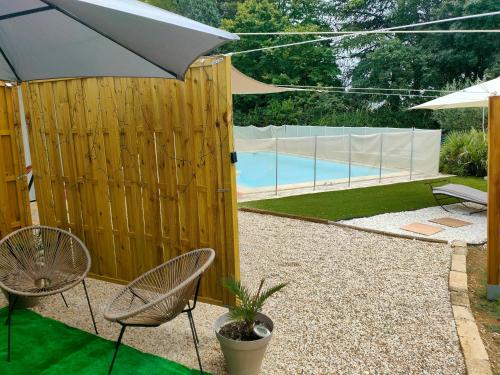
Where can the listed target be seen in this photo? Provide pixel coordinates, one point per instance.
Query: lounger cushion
(463, 192)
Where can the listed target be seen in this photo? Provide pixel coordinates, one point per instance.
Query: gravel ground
(392, 223)
(357, 303)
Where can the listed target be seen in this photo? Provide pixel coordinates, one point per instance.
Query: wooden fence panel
(14, 201)
(140, 169)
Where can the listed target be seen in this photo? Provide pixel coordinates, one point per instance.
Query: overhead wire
(453, 31)
(394, 28)
(366, 93)
(362, 88)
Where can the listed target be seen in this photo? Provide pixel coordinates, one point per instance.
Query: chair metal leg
(191, 324)
(12, 304)
(117, 346)
(64, 299)
(90, 307)
(195, 338)
(194, 330)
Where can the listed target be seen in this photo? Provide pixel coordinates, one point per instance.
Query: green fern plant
(249, 303)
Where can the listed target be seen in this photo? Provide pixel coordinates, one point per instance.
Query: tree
(428, 61)
(205, 11)
(310, 64)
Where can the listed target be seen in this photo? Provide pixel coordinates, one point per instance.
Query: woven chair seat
(162, 293)
(39, 261)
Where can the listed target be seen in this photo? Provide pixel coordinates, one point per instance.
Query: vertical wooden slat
(167, 169)
(97, 163)
(228, 171)
(494, 197)
(67, 132)
(149, 172)
(52, 142)
(115, 177)
(5, 212)
(41, 167)
(215, 231)
(83, 170)
(133, 181)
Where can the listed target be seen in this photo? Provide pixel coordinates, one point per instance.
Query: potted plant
(244, 332)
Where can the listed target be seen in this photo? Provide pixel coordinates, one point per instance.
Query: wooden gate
(140, 169)
(14, 201)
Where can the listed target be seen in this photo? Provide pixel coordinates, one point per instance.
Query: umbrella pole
(482, 124)
(24, 133)
(24, 127)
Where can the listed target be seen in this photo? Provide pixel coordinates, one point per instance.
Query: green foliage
(459, 119)
(205, 11)
(423, 61)
(250, 303)
(291, 109)
(164, 4)
(310, 64)
(465, 154)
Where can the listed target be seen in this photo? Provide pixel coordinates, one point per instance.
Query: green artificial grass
(361, 202)
(45, 346)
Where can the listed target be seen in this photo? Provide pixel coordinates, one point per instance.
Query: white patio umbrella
(44, 39)
(474, 96)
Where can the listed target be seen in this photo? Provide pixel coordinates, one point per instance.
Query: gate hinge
(223, 190)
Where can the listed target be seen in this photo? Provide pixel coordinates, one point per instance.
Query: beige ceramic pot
(243, 357)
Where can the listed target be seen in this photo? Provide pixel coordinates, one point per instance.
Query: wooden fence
(140, 169)
(14, 201)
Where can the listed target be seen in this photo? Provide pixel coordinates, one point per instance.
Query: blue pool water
(257, 169)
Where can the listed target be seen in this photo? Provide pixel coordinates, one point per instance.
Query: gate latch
(234, 157)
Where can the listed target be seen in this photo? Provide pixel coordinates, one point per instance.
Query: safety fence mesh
(291, 156)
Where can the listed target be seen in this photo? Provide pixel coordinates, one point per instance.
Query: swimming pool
(258, 169)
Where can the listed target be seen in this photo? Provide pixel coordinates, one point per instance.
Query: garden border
(476, 357)
(341, 225)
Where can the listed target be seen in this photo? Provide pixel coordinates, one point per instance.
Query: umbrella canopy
(44, 39)
(474, 96)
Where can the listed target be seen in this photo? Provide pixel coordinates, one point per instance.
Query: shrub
(244, 314)
(465, 153)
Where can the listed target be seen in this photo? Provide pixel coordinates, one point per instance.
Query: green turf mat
(361, 202)
(45, 346)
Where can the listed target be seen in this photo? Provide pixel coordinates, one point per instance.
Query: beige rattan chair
(160, 295)
(40, 261)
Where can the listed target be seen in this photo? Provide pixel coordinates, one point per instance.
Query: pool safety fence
(393, 152)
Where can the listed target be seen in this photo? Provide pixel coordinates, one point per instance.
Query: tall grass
(465, 153)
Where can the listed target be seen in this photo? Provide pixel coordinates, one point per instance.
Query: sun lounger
(460, 193)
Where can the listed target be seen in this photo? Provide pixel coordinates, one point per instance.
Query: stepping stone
(451, 222)
(425, 229)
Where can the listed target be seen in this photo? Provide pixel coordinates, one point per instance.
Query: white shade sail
(245, 85)
(45, 39)
(474, 96)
